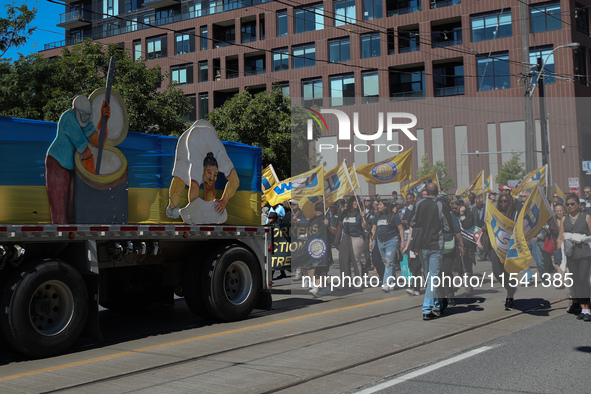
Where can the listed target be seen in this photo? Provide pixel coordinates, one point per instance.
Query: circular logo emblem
(385, 172)
(317, 248)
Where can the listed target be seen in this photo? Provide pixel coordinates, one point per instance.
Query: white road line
(423, 371)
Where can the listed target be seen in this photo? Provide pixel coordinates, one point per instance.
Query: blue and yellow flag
(308, 184)
(336, 184)
(560, 193)
(533, 216)
(395, 169)
(530, 180)
(488, 185)
(500, 229)
(477, 186)
(417, 186)
(268, 179)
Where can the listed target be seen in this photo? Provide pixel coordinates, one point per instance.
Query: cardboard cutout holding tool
(200, 157)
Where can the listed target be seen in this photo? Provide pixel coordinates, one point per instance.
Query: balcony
(74, 19)
(443, 3)
(160, 3)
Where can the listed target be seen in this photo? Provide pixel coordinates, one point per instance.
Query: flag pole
(351, 183)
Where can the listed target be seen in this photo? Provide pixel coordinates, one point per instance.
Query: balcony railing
(413, 94)
(75, 18)
(443, 3)
(163, 21)
(449, 91)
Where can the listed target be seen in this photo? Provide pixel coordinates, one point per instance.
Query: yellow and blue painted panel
(23, 196)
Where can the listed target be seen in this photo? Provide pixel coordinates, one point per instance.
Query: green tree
(35, 87)
(446, 182)
(14, 28)
(266, 120)
(510, 170)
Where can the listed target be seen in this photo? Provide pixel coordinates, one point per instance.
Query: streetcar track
(308, 332)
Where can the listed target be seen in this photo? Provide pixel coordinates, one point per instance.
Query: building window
(304, 55)
(149, 20)
(281, 23)
(339, 50)
(155, 47)
(448, 79)
(545, 17)
(254, 65)
(372, 9)
(493, 72)
(580, 66)
(582, 19)
(370, 45)
(204, 40)
(542, 52)
(195, 10)
(408, 40)
(137, 50)
(203, 71)
(280, 59)
(133, 5)
(262, 27)
(248, 31)
(203, 105)
(446, 35)
(342, 90)
(407, 83)
(191, 116)
(371, 87)
(182, 74)
(111, 8)
(401, 7)
(491, 26)
(309, 18)
(312, 92)
(185, 42)
(284, 87)
(344, 12)
(232, 70)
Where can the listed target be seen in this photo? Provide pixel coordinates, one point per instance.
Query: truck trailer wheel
(232, 283)
(44, 308)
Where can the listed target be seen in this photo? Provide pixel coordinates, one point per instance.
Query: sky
(48, 16)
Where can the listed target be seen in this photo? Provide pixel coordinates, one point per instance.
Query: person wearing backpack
(427, 226)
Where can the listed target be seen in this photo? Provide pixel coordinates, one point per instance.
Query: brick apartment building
(457, 64)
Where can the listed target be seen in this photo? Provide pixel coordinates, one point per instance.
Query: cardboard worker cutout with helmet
(199, 157)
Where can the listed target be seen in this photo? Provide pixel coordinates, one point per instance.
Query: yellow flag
(336, 184)
(476, 186)
(417, 186)
(560, 193)
(533, 216)
(530, 180)
(499, 229)
(353, 176)
(394, 169)
(268, 179)
(308, 184)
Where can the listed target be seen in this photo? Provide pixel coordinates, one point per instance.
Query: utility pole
(543, 119)
(529, 113)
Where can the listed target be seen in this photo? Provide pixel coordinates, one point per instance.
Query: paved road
(344, 342)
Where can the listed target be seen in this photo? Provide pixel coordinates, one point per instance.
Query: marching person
(573, 236)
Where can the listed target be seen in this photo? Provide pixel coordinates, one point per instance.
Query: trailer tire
(232, 283)
(44, 308)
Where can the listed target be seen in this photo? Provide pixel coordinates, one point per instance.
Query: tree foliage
(35, 87)
(446, 182)
(14, 28)
(267, 120)
(510, 170)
